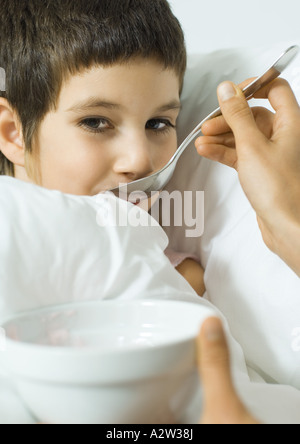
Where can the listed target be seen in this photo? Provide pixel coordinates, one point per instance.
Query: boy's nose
(134, 161)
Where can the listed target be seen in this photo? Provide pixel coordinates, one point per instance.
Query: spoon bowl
(144, 188)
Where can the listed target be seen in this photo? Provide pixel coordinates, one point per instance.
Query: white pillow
(258, 294)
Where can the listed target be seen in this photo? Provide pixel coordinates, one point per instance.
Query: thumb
(237, 113)
(214, 368)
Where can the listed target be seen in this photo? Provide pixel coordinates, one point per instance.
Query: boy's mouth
(134, 198)
(135, 202)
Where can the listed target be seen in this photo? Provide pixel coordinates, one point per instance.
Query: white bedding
(53, 251)
(57, 248)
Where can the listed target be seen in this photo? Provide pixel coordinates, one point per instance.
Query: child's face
(112, 125)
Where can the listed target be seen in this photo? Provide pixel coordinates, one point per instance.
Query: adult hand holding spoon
(265, 150)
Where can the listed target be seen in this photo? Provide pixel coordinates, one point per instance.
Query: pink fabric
(177, 258)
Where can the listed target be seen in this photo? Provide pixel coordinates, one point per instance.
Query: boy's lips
(134, 201)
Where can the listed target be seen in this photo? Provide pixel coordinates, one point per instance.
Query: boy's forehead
(116, 84)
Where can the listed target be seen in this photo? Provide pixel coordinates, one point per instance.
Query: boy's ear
(11, 144)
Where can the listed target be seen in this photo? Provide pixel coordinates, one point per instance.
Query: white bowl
(106, 362)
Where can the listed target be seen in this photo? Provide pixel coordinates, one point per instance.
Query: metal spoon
(143, 188)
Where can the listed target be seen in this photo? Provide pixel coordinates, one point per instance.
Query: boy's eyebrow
(174, 105)
(93, 102)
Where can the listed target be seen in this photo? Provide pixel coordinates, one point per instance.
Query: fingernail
(213, 330)
(226, 91)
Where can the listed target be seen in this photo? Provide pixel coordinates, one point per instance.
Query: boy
(92, 94)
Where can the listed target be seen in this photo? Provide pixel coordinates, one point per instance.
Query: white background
(216, 24)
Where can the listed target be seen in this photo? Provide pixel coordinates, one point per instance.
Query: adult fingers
(214, 365)
(216, 126)
(227, 140)
(219, 149)
(219, 125)
(238, 115)
(219, 153)
(280, 95)
(221, 402)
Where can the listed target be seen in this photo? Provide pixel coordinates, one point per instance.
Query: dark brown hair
(43, 42)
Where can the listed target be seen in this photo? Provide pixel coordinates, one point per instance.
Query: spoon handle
(248, 91)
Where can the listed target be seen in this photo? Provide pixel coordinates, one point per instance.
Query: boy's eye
(100, 125)
(159, 125)
(96, 124)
